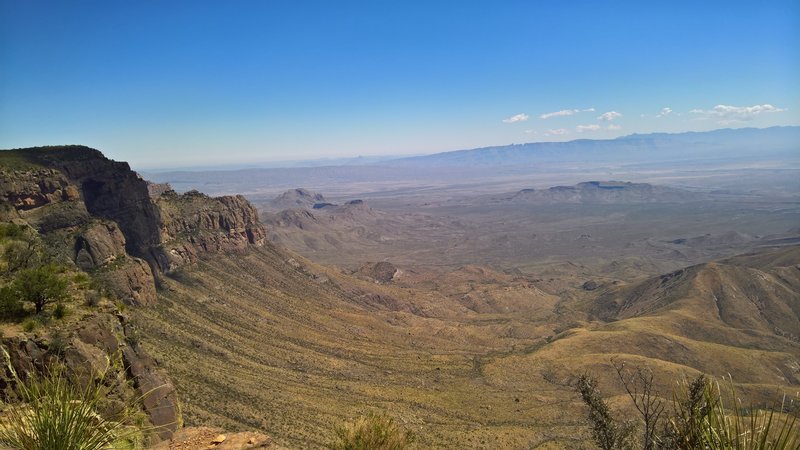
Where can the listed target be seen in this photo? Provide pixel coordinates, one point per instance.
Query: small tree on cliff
(40, 286)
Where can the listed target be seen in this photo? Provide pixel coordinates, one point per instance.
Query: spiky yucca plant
(372, 432)
(56, 413)
(730, 429)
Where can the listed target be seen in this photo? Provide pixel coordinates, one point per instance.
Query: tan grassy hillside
(737, 317)
(466, 359)
(257, 340)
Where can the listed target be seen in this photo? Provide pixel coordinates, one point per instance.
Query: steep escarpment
(92, 223)
(109, 190)
(111, 214)
(194, 223)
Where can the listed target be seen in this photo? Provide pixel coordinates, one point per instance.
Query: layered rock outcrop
(99, 214)
(119, 222)
(194, 223)
(35, 187)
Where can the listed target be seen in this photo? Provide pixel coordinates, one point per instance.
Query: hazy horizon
(174, 85)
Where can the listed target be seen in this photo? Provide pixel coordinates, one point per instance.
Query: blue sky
(187, 83)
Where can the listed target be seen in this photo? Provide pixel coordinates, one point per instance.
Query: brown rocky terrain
(96, 216)
(296, 198)
(194, 223)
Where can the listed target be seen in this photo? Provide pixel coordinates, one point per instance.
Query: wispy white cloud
(613, 127)
(609, 116)
(726, 114)
(517, 118)
(592, 127)
(556, 132)
(664, 112)
(564, 112)
(534, 132)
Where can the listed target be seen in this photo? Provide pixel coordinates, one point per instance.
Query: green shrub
(11, 230)
(372, 432)
(61, 311)
(10, 306)
(57, 414)
(607, 432)
(92, 298)
(30, 324)
(82, 279)
(40, 286)
(58, 343)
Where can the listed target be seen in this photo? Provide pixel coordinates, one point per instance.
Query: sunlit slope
(737, 317)
(467, 359)
(256, 340)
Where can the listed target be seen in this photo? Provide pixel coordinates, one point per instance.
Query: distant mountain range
(660, 151)
(724, 143)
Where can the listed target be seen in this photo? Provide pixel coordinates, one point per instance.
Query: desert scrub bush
(10, 306)
(56, 413)
(58, 342)
(82, 280)
(41, 286)
(92, 298)
(374, 431)
(60, 311)
(607, 432)
(30, 324)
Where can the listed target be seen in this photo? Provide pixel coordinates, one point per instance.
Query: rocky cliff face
(194, 223)
(26, 189)
(116, 221)
(109, 190)
(98, 215)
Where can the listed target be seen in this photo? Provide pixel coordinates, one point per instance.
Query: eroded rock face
(159, 397)
(194, 223)
(32, 188)
(99, 244)
(93, 187)
(131, 280)
(88, 354)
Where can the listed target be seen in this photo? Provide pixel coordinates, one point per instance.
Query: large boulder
(129, 279)
(99, 244)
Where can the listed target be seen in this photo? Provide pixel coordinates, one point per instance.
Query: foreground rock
(196, 438)
(98, 347)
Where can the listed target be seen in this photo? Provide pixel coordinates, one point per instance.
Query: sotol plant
(56, 413)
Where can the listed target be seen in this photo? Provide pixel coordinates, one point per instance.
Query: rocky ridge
(98, 216)
(296, 198)
(108, 222)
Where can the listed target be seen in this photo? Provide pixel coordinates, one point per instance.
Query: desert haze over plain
(413, 225)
